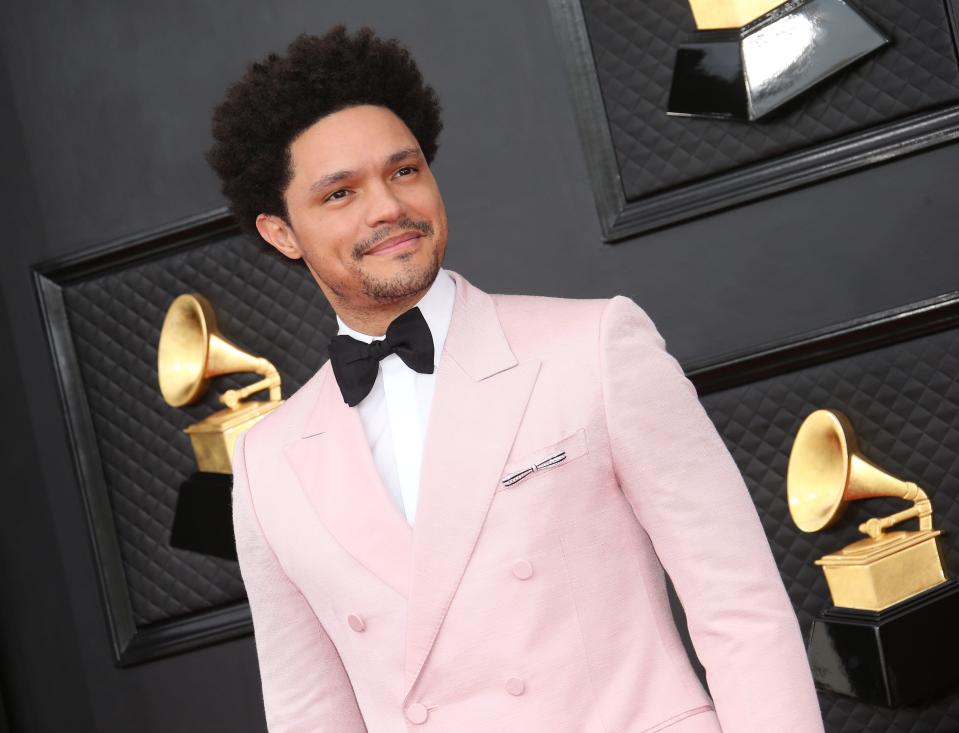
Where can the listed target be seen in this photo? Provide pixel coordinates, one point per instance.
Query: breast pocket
(552, 457)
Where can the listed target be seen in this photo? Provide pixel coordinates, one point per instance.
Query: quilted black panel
(267, 305)
(634, 44)
(903, 401)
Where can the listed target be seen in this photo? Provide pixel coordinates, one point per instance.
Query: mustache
(402, 225)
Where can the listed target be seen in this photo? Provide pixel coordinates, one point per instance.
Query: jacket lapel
(481, 395)
(334, 465)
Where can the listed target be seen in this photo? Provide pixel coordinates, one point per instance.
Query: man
(460, 523)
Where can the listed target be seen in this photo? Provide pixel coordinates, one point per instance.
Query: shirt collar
(437, 308)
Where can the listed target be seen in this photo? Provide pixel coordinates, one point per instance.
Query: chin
(403, 276)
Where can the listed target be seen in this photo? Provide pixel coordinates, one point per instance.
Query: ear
(278, 233)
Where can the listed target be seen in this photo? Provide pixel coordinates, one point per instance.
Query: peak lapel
(335, 468)
(481, 395)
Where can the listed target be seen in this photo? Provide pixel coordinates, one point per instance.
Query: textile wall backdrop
(104, 121)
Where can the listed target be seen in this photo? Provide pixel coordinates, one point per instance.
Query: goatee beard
(411, 280)
(404, 284)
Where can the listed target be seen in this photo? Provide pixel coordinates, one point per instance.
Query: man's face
(365, 212)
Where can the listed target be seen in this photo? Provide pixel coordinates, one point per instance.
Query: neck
(374, 320)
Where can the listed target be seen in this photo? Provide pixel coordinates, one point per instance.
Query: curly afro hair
(281, 96)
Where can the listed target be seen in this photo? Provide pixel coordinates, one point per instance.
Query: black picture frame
(130, 644)
(621, 219)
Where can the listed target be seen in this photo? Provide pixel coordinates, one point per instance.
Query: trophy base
(203, 521)
(891, 657)
(746, 73)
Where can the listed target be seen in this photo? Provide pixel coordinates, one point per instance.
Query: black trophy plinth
(892, 657)
(745, 73)
(203, 521)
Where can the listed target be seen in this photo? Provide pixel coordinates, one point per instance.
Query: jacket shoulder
(536, 324)
(516, 309)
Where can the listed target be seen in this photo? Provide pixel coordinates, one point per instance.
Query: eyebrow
(400, 155)
(331, 178)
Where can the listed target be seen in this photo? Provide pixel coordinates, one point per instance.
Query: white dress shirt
(396, 411)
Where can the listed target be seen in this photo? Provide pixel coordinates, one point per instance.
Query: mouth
(398, 243)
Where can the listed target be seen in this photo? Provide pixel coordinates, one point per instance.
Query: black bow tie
(355, 363)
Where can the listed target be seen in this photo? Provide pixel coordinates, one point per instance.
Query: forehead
(350, 139)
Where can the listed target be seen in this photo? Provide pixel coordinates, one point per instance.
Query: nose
(383, 205)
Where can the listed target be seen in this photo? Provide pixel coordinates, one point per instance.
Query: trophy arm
(921, 508)
(271, 381)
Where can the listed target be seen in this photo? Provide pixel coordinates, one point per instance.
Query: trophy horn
(192, 351)
(826, 471)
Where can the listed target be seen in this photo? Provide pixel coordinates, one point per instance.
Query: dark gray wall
(102, 127)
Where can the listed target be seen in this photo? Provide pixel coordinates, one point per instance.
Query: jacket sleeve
(305, 686)
(690, 497)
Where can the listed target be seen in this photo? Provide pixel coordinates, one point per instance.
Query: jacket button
(356, 622)
(417, 713)
(515, 686)
(523, 569)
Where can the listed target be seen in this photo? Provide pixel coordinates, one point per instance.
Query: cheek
(330, 258)
(328, 238)
(429, 205)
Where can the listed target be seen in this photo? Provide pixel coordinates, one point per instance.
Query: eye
(336, 195)
(406, 170)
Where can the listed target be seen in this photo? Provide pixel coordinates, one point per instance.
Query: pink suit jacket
(567, 462)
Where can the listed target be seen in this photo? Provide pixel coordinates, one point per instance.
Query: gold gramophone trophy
(191, 352)
(890, 638)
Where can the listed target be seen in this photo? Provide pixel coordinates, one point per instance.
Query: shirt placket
(399, 386)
